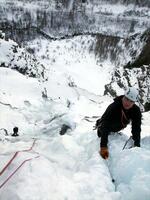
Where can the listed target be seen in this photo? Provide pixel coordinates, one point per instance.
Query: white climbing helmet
(132, 94)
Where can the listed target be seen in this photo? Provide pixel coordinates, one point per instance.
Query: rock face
(23, 20)
(130, 56)
(130, 52)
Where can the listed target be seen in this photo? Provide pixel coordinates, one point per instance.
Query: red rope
(10, 161)
(17, 170)
(30, 147)
(14, 156)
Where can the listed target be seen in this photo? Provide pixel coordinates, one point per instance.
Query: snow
(66, 167)
(74, 64)
(6, 46)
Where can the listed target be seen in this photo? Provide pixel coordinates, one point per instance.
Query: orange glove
(104, 152)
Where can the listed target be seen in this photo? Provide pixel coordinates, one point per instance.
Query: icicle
(70, 5)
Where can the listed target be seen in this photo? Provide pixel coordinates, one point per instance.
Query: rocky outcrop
(143, 58)
(14, 57)
(132, 63)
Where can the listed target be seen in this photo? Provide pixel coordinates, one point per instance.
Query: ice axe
(113, 180)
(127, 143)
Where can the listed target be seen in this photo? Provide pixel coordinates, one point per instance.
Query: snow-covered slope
(66, 166)
(104, 58)
(44, 165)
(117, 62)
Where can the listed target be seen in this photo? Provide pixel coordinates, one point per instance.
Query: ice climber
(117, 116)
(15, 132)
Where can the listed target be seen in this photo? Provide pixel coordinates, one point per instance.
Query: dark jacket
(116, 118)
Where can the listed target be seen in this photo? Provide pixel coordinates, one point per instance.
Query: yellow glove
(104, 152)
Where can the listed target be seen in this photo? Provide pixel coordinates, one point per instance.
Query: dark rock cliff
(24, 20)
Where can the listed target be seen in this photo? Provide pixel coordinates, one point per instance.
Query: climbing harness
(10, 161)
(124, 118)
